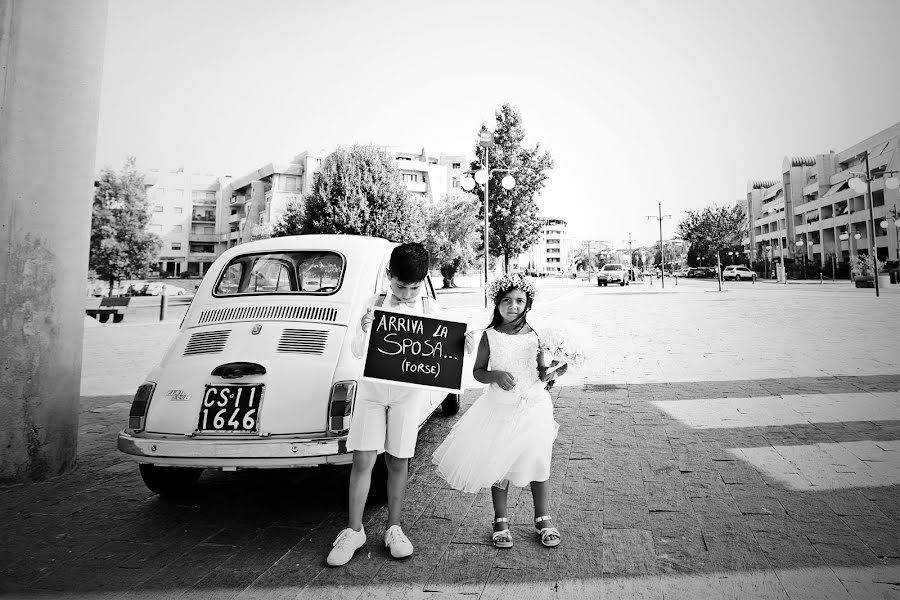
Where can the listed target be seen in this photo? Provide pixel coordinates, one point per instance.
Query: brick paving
(655, 499)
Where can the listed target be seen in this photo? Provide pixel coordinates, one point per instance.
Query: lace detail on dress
(516, 354)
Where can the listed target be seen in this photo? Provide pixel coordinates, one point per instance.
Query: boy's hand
(505, 380)
(470, 341)
(367, 319)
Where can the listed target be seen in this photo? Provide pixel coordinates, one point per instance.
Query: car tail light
(139, 406)
(340, 407)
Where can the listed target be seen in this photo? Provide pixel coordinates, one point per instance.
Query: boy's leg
(360, 481)
(398, 471)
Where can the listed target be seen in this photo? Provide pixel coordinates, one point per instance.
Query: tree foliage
(359, 191)
(513, 214)
(121, 246)
(713, 229)
(291, 222)
(453, 234)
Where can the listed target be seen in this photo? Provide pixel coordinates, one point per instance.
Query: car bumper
(246, 454)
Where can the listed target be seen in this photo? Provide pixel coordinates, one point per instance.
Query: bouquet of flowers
(560, 346)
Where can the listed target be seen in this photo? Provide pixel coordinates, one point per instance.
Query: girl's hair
(500, 287)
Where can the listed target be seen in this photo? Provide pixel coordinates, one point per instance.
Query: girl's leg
(398, 471)
(498, 495)
(360, 480)
(540, 491)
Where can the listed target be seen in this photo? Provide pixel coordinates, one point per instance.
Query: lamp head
(857, 185)
(468, 184)
(799, 243)
(481, 176)
(892, 183)
(508, 182)
(856, 236)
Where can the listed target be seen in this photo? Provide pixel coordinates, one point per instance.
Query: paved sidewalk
(761, 469)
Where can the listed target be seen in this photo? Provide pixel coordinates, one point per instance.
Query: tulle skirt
(503, 436)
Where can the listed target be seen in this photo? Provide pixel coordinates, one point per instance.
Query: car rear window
(612, 267)
(306, 272)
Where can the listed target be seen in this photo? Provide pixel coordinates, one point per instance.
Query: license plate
(230, 408)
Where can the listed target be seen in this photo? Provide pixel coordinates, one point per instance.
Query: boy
(386, 417)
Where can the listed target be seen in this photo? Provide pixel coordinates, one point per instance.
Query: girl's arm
(483, 374)
(542, 365)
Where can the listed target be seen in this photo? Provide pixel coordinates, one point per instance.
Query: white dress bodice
(516, 354)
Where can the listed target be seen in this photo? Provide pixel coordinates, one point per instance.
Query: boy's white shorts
(386, 418)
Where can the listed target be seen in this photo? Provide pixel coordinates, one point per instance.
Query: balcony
(419, 187)
(235, 218)
(203, 218)
(412, 165)
(238, 200)
(203, 237)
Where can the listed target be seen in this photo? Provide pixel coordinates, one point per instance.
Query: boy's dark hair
(409, 262)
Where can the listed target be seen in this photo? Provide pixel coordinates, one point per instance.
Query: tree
(453, 234)
(513, 217)
(121, 246)
(359, 191)
(291, 222)
(713, 229)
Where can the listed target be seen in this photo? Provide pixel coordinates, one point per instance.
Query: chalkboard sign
(415, 350)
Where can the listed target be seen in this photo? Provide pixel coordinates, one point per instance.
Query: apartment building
(251, 204)
(812, 210)
(182, 206)
(554, 252)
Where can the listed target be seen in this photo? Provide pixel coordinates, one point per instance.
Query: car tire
(450, 405)
(621, 284)
(170, 482)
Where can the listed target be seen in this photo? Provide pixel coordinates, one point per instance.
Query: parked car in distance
(738, 272)
(696, 272)
(261, 373)
(156, 288)
(612, 273)
(681, 272)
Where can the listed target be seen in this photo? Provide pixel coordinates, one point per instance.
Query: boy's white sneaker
(396, 540)
(345, 545)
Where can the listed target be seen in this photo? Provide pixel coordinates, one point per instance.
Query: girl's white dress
(505, 435)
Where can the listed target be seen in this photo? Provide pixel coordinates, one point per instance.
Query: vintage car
(261, 374)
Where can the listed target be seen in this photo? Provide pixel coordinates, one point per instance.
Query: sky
(638, 102)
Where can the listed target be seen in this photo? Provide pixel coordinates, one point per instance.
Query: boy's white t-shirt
(424, 305)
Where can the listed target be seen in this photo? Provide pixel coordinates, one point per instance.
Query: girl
(507, 435)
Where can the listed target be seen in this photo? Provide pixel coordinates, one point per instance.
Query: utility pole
(662, 251)
(630, 256)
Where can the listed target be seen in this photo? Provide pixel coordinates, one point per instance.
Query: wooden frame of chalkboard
(415, 350)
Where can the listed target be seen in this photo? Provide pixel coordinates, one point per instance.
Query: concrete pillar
(51, 58)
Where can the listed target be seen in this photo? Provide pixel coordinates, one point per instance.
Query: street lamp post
(860, 185)
(662, 252)
(483, 176)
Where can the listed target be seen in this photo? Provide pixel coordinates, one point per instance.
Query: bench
(110, 307)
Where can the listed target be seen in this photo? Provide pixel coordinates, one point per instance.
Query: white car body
(738, 272)
(613, 273)
(301, 340)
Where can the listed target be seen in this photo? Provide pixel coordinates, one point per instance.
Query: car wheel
(170, 481)
(450, 405)
(621, 284)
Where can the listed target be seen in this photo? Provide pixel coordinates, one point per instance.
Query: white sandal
(549, 535)
(502, 538)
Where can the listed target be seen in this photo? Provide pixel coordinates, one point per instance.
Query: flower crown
(503, 284)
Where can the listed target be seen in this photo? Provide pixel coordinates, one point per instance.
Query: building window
(157, 208)
(204, 248)
(177, 229)
(156, 228)
(553, 260)
(552, 242)
(553, 250)
(179, 194)
(159, 193)
(455, 182)
(176, 245)
(457, 166)
(411, 177)
(179, 210)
